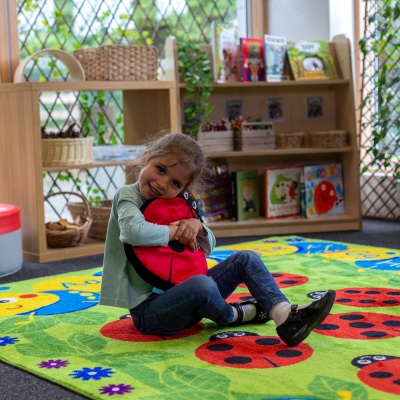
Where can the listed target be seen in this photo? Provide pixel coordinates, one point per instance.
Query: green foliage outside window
(381, 105)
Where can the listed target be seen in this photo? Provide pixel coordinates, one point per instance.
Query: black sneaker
(301, 322)
(260, 318)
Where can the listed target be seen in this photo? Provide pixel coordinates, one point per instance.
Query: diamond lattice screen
(73, 24)
(380, 110)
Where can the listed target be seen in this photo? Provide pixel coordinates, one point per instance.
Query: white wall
(299, 19)
(310, 19)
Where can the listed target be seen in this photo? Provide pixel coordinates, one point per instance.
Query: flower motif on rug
(96, 373)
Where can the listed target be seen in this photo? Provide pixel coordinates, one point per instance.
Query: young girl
(171, 165)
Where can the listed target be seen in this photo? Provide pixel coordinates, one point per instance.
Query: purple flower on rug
(96, 373)
(53, 364)
(116, 389)
(4, 341)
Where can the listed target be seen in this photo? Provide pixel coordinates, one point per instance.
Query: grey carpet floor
(16, 384)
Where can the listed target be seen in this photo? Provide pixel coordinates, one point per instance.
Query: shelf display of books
(324, 192)
(252, 59)
(224, 47)
(282, 191)
(215, 201)
(245, 195)
(275, 57)
(311, 60)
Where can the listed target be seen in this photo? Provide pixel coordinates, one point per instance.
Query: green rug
(52, 327)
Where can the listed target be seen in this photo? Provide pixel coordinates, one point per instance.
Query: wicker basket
(324, 139)
(290, 140)
(100, 215)
(70, 238)
(119, 63)
(75, 151)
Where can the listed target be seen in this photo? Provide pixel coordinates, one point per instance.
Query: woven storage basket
(324, 139)
(73, 151)
(100, 215)
(119, 63)
(290, 140)
(70, 238)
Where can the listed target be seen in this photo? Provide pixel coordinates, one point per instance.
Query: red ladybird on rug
(368, 297)
(285, 280)
(360, 326)
(239, 297)
(381, 372)
(124, 330)
(249, 350)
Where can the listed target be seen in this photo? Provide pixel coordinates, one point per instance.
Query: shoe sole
(303, 333)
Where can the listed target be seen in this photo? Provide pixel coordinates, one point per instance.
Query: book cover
(311, 60)
(224, 47)
(252, 68)
(324, 193)
(283, 191)
(275, 56)
(215, 203)
(245, 195)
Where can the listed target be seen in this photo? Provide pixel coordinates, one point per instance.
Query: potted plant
(195, 71)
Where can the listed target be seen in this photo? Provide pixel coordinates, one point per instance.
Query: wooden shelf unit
(152, 106)
(148, 107)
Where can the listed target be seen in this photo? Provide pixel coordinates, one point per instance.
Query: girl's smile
(163, 177)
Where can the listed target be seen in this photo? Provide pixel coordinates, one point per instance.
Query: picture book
(245, 195)
(283, 191)
(324, 193)
(215, 203)
(252, 67)
(275, 58)
(224, 47)
(311, 60)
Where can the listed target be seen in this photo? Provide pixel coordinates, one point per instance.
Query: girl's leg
(247, 267)
(294, 323)
(181, 307)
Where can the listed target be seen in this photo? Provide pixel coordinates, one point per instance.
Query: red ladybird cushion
(164, 267)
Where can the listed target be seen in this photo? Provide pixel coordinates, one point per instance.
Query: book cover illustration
(215, 203)
(283, 191)
(324, 193)
(245, 195)
(275, 56)
(311, 60)
(224, 47)
(252, 60)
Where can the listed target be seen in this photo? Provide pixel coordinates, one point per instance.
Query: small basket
(325, 139)
(100, 215)
(70, 151)
(70, 238)
(290, 140)
(119, 63)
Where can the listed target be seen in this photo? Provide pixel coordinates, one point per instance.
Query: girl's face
(162, 177)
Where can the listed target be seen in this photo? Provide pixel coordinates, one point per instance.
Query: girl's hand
(187, 231)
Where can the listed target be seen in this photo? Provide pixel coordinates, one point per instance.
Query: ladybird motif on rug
(248, 350)
(381, 372)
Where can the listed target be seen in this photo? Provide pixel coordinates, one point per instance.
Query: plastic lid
(10, 219)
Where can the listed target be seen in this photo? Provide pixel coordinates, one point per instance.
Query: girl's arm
(134, 229)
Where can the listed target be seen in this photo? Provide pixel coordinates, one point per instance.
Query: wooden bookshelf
(152, 106)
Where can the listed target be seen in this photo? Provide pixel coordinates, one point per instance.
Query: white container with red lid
(10, 239)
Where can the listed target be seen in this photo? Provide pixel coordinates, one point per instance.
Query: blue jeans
(200, 296)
